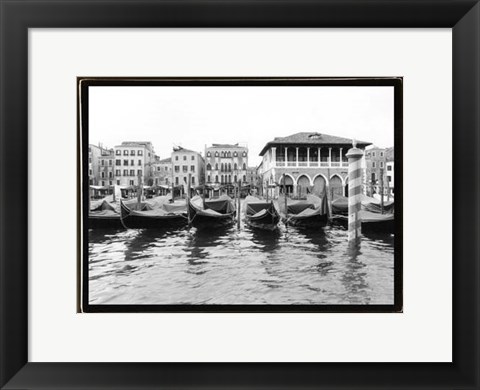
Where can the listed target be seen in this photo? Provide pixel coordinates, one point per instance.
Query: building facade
(134, 160)
(226, 164)
(100, 172)
(312, 163)
(162, 172)
(106, 168)
(184, 162)
(377, 165)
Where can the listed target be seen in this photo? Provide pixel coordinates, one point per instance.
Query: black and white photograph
(240, 194)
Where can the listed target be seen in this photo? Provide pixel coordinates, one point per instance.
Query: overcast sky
(193, 117)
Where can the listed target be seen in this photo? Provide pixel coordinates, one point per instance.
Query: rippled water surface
(238, 266)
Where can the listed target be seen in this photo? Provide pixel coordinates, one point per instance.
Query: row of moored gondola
(161, 212)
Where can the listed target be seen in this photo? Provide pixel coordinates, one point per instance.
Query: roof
(311, 138)
(165, 161)
(226, 146)
(181, 149)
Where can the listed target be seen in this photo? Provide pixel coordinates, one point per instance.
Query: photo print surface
(240, 194)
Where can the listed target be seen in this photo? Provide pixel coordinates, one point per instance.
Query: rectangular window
(125, 152)
(110, 162)
(381, 164)
(125, 172)
(192, 168)
(103, 183)
(132, 152)
(177, 169)
(110, 174)
(208, 178)
(125, 162)
(118, 172)
(373, 164)
(139, 172)
(118, 182)
(132, 172)
(90, 172)
(90, 160)
(132, 182)
(389, 167)
(381, 154)
(193, 157)
(118, 162)
(132, 163)
(193, 180)
(103, 162)
(110, 182)
(118, 152)
(389, 179)
(176, 181)
(139, 162)
(185, 168)
(139, 152)
(184, 158)
(373, 154)
(166, 168)
(158, 169)
(176, 158)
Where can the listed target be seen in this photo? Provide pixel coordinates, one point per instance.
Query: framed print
(260, 204)
(429, 340)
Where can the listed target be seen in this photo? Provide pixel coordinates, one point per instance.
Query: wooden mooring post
(354, 156)
(381, 189)
(238, 204)
(187, 198)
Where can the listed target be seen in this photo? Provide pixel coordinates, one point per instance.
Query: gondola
(340, 205)
(260, 213)
(103, 215)
(211, 212)
(371, 222)
(309, 212)
(141, 215)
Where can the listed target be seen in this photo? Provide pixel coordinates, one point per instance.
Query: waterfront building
(162, 171)
(106, 169)
(185, 161)
(134, 160)
(226, 164)
(312, 162)
(376, 164)
(98, 172)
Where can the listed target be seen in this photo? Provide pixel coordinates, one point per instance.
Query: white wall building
(134, 159)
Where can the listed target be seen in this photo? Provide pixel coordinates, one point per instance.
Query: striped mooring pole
(354, 156)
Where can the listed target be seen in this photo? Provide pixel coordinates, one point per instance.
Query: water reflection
(231, 265)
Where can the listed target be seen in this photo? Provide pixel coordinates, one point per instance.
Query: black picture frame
(17, 16)
(83, 86)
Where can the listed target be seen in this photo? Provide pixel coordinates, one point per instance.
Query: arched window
(216, 167)
(244, 167)
(216, 154)
(244, 154)
(222, 179)
(235, 154)
(229, 154)
(208, 154)
(221, 167)
(244, 179)
(223, 154)
(229, 167)
(209, 168)
(235, 167)
(235, 178)
(208, 178)
(216, 178)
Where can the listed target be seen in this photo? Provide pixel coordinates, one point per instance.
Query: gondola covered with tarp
(261, 214)
(102, 215)
(340, 205)
(370, 222)
(158, 212)
(308, 212)
(211, 212)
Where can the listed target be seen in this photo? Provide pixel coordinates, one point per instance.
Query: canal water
(238, 266)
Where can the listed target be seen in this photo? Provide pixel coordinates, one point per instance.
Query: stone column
(297, 157)
(308, 156)
(274, 156)
(329, 157)
(341, 157)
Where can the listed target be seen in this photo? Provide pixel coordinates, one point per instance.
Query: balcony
(310, 164)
